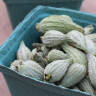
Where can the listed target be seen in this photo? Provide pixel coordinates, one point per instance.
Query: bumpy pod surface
(56, 55)
(31, 69)
(77, 39)
(61, 23)
(86, 86)
(77, 55)
(90, 46)
(56, 70)
(53, 38)
(74, 75)
(92, 68)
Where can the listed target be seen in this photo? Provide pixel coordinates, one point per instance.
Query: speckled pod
(39, 58)
(56, 55)
(90, 46)
(92, 68)
(23, 52)
(92, 37)
(86, 86)
(53, 38)
(77, 39)
(56, 70)
(31, 69)
(88, 29)
(14, 65)
(74, 75)
(61, 23)
(75, 54)
(41, 47)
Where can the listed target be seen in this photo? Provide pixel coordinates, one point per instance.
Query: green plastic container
(24, 86)
(17, 9)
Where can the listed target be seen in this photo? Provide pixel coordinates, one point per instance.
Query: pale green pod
(61, 23)
(74, 75)
(92, 68)
(56, 55)
(31, 69)
(77, 55)
(58, 18)
(40, 59)
(77, 39)
(14, 65)
(23, 52)
(53, 38)
(56, 70)
(86, 86)
(92, 37)
(90, 46)
(88, 29)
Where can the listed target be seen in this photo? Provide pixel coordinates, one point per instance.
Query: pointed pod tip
(22, 43)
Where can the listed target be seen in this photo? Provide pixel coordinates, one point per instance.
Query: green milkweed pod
(92, 68)
(74, 75)
(77, 55)
(86, 86)
(56, 55)
(53, 38)
(23, 52)
(56, 70)
(31, 69)
(90, 46)
(61, 23)
(77, 39)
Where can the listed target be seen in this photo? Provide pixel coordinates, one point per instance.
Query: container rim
(36, 1)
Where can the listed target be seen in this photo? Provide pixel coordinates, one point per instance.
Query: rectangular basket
(24, 86)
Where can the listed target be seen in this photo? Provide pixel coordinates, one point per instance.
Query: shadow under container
(25, 86)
